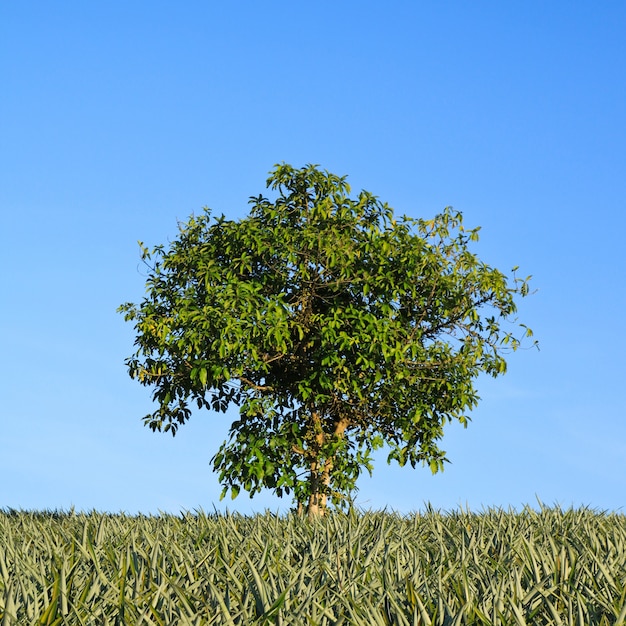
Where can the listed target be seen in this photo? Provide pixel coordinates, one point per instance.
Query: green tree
(333, 326)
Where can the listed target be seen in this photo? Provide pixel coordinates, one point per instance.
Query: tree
(333, 326)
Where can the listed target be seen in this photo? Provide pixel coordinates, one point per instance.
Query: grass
(495, 567)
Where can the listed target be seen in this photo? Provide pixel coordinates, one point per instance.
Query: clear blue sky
(119, 118)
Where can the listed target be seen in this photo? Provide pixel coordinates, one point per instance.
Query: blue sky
(117, 119)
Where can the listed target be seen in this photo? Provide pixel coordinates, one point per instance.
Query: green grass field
(495, 567)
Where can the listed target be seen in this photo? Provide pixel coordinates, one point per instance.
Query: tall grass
(495, 567)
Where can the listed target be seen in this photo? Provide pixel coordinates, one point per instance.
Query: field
(546, 566)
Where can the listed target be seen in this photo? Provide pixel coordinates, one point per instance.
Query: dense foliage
(495, 567)
(335, 327)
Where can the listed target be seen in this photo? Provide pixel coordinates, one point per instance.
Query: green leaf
(202, 374)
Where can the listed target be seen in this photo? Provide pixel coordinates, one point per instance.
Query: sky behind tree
(119, 119)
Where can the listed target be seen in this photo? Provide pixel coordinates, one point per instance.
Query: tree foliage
(335, 327)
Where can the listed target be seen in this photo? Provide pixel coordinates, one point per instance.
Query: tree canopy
(335, 327)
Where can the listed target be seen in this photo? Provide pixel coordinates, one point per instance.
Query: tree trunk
(320, 481)
(319, 477)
